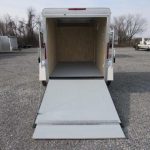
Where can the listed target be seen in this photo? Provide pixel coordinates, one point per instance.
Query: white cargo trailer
(8, 43)
(77, 65)
(143, 45)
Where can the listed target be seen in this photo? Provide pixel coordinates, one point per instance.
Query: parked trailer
(77, 65)
(8, 43)
(144, 44)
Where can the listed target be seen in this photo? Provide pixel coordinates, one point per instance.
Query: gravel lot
(20, 99)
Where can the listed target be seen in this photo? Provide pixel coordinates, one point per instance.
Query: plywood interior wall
(101, 43)
(51, 44)
(75, 43)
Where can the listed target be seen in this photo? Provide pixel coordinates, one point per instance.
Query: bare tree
(8, 26)
(127, 26)
(2, 27)
(24, 30)
(21, 28)
(30, 26)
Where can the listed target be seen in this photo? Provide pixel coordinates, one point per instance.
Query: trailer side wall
(51, 44)
(101, 43)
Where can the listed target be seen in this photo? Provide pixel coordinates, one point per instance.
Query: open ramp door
(77, 109)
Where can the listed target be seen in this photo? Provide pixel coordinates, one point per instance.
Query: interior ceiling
(75, 20)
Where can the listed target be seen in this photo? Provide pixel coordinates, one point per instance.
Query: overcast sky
(118, 7)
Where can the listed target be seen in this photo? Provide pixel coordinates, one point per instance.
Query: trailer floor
(19, 102)
(76, 69)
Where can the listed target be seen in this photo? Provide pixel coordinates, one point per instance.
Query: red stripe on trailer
(76, 8)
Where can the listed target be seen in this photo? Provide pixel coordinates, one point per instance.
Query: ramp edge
(78, 132)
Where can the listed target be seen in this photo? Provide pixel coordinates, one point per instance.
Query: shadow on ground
(121, 89)
(7, 55)
(123, 56)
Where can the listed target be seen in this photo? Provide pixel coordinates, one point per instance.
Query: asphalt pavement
(20, 97)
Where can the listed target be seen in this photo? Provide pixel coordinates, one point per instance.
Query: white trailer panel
(8, 43)
(73, 12)
(4, 44)
(13, 43)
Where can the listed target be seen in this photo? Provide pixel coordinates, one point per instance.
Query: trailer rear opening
(77, 103)
(76, 45)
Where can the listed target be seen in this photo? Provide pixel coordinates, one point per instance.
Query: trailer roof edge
(88, 10)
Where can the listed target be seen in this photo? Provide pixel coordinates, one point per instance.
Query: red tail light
(76, 8)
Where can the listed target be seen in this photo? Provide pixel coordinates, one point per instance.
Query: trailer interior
(76, 47)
